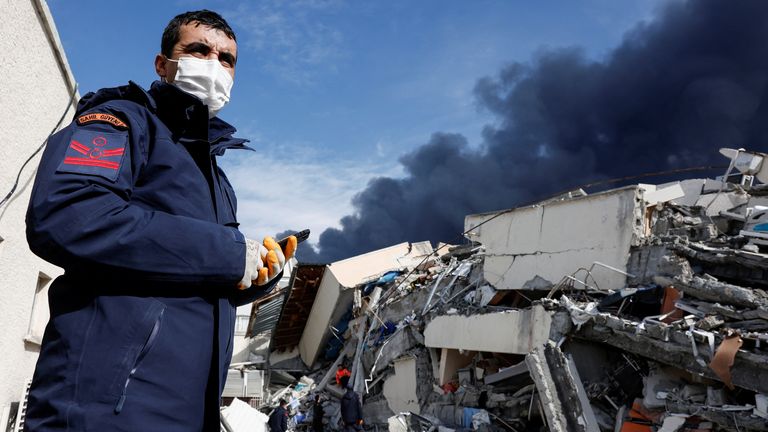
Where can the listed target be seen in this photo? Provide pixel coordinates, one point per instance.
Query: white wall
(512, 332)
(555, 239)
(400, 388)
(34, 91)
(240, 342)
(319, 318)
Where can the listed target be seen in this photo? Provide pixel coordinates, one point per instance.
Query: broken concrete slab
(654, 195)
(555, 239)
(507, 373)
(400, 388)
(481, 332)
(727, 263)
(692, 191)
(729, 418)
(397, 423)
(709, 288)
(716, 203)
(377, 411)
(562, 396)
(666, 345)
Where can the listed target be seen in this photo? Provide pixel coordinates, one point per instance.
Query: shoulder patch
(101, 117)
(95, 153)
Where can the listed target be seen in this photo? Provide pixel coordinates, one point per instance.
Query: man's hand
(264, 261)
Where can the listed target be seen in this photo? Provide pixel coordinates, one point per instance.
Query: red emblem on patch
(95, 154)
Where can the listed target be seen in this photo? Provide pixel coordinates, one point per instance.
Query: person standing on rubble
(318, 412)
(342, 372)
(278, 419)
(129, 199)
(351, 408)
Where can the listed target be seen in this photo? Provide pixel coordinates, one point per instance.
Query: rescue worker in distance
(278, 419)
(351, 408)
(130, 201)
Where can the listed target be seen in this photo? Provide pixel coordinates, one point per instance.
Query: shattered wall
(329, 299)
(535, 247)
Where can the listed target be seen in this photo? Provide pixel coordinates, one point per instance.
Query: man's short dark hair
(202, 17)
(283, 402)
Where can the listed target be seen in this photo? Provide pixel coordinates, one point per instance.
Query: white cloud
(279, 190)
(288, 37)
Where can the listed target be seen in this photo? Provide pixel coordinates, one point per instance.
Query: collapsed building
(641, 308)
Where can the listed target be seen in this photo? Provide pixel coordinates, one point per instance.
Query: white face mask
(205, 79)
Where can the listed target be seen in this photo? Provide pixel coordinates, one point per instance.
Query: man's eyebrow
(197, 47)
(204, 49)
(227, 57)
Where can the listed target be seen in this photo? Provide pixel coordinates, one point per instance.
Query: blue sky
(331, 92)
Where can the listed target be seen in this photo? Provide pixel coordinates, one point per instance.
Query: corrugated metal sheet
(266, 310)
(247, 383)
(234, 385)
(267, 315)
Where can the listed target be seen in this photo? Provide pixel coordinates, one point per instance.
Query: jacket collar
(187, 118)
(185, 115)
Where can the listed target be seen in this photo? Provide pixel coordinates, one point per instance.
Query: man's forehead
(197, 32)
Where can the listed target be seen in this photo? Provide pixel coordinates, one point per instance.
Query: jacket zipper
(144, 350)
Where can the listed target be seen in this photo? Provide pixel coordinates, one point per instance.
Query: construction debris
(642, 308)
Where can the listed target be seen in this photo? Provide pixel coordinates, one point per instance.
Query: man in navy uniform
(278, 419)
(130, 201)
(351, 408)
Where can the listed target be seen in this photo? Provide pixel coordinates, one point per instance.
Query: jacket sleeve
(250, 295)
(81, 216)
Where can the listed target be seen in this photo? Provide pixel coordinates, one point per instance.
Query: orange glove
(289, 245)
(273, 261)
(263, 262)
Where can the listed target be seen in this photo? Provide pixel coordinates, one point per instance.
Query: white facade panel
(34, 93)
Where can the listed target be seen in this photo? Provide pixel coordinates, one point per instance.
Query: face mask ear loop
(164, 79)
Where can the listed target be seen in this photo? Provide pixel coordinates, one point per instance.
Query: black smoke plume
(674, 91)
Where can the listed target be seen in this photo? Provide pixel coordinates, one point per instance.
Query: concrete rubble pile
(642, 308)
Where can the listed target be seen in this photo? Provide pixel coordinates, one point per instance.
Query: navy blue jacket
(130, 202)
(278, 420)
(351, 408)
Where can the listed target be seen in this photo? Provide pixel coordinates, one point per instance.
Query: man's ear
(160, 67)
